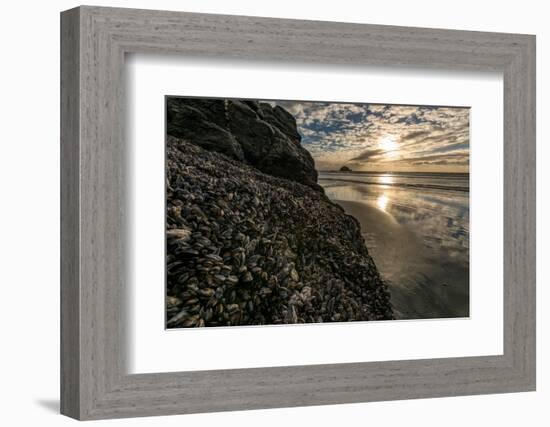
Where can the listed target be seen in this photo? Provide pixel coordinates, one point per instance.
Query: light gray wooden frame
(94, 41)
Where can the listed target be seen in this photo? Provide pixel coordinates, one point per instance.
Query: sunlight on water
(386, 179)
(438, 216)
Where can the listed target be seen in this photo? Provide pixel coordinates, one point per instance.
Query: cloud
(455, 158)
(368, 154)
(415, 135)
(337, 133)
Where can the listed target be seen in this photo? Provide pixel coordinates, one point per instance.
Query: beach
(416, 228)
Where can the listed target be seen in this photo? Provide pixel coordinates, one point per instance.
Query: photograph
(294, 212)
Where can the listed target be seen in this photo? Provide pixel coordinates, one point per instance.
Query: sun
(388, 144)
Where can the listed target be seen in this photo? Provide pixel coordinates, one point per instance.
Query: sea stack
(345, 169)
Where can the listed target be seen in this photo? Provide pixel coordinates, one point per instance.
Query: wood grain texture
(70, 314)
(94, 232)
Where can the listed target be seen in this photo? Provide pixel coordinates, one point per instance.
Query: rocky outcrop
(345, 169)
(263, 136)
(245, 247)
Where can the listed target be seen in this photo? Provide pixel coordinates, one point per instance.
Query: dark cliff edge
(253, 132)
(246, 247)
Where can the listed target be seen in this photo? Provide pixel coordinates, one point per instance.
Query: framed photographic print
(281, 213)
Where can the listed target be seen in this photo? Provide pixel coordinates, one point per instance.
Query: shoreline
(421, 285)
(402, 185)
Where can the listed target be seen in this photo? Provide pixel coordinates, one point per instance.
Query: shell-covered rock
(248, 248)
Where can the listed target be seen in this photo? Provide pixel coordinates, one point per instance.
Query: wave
(404, 184)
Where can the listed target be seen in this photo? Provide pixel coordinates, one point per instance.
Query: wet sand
(424, 282)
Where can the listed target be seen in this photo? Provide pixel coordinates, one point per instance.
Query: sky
(383, 138)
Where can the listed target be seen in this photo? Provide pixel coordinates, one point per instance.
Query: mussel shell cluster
(245, 248)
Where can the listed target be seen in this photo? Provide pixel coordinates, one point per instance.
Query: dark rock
(199, 122)
(345, 169)
(263, 136)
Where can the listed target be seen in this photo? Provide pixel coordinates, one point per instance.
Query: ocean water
(416, 227)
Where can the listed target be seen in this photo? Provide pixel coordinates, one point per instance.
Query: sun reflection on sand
(382, 202)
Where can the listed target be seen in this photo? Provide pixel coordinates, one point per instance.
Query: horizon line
(356, 171)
